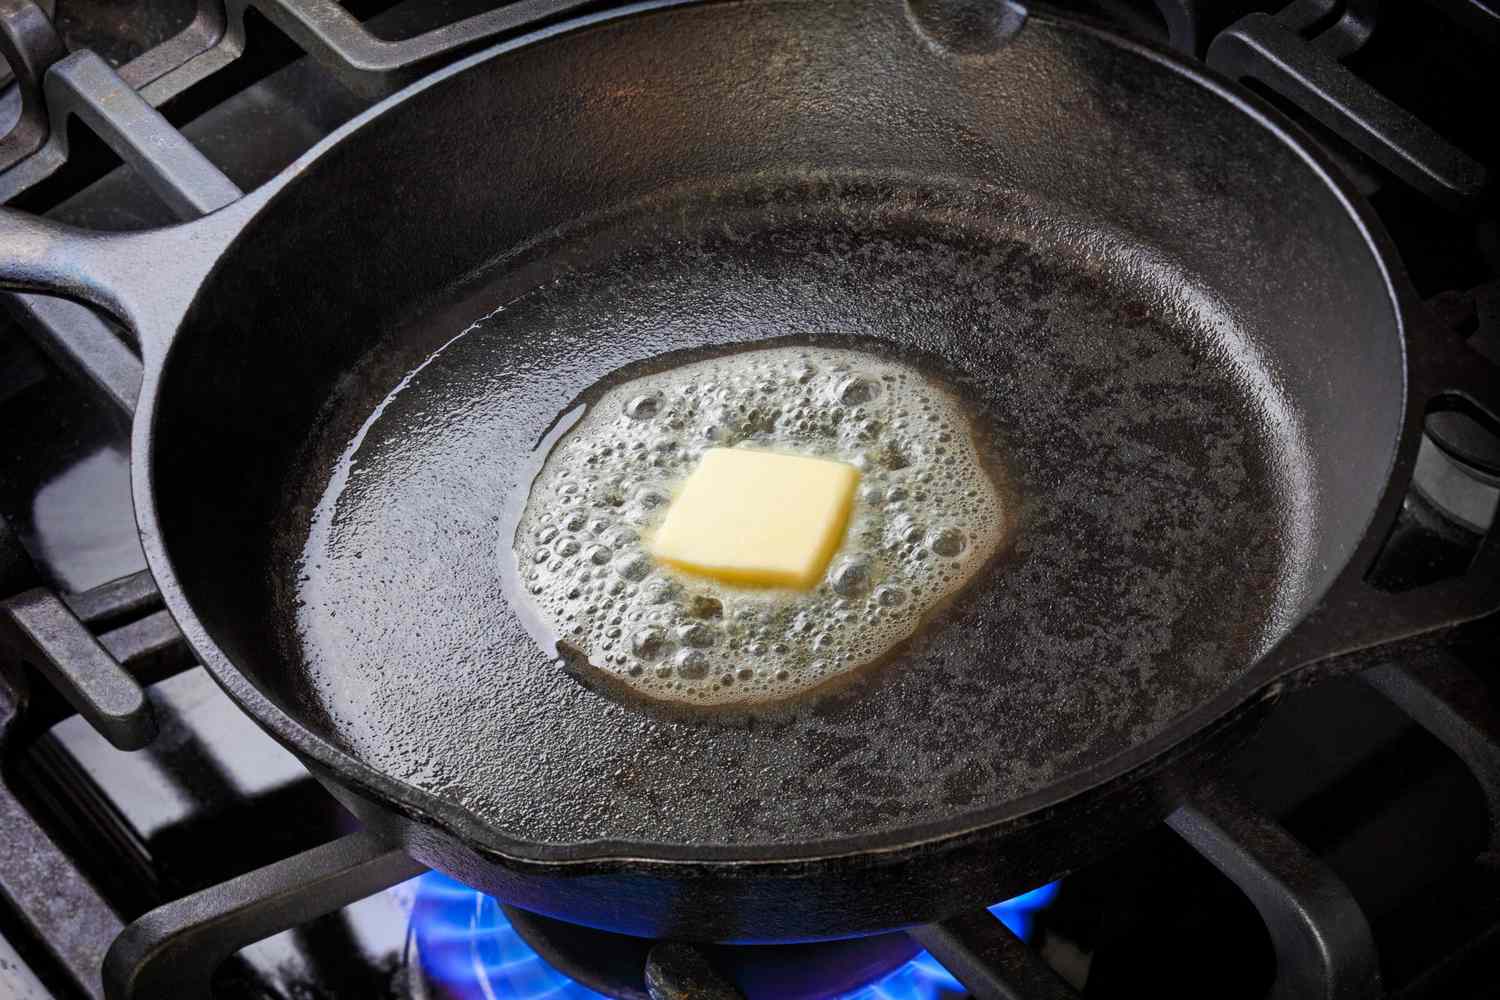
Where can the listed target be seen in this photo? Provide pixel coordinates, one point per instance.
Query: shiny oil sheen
(1156, 551)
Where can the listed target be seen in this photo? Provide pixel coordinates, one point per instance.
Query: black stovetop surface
(1388, 808)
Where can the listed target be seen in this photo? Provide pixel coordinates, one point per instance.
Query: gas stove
(155, 843)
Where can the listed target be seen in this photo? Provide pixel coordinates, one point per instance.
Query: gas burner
(470, 947)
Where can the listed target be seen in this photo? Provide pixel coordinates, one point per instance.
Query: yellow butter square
(757, 517)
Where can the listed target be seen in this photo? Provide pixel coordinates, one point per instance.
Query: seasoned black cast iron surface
(1165, 314)
(1161, 486)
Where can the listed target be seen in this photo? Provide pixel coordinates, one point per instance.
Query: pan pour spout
(967, 27)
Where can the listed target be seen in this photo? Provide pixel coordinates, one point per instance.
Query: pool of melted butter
(926, 519)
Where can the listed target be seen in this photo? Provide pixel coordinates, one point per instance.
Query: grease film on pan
(926, 518)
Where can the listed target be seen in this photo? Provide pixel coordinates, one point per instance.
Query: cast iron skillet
(1201, 358)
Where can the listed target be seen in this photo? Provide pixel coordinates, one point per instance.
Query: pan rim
(1125, 769)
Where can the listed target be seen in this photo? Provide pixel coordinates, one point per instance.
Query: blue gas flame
(466, 943)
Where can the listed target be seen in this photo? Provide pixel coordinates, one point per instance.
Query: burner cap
(614, 964)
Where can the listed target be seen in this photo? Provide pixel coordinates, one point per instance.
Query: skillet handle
(40, 255)
(1355, 616)
(146, 279)
(140, 278)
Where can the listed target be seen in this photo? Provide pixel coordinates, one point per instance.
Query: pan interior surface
(1175, 328)
(1160, 479)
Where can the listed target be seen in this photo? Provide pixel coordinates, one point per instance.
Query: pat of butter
(757, 517)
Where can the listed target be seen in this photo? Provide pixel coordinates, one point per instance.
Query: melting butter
(925, 519)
